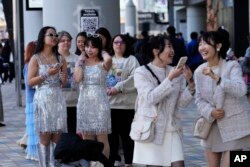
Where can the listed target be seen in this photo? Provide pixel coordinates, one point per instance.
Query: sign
(89, 20)
(34, 4)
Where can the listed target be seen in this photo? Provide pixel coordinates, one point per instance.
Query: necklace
(47, 59)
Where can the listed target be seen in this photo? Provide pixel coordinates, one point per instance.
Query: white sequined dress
(49, 103)
(93, 109)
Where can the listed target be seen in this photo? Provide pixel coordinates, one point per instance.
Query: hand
(112, 91)
(53, 70)
(218, 113)
(188, 74)
(209, 72)
(174, 73)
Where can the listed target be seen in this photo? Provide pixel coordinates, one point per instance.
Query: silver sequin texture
(93, 109)
(49, 104)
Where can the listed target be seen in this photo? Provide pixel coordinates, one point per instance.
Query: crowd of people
(108, 82)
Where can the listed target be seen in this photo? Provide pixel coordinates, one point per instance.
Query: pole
(17, 50)
(130, 26)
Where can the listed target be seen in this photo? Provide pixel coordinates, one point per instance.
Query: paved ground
(11, 155)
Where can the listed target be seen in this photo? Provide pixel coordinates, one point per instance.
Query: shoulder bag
(144, 130)
(201, 128)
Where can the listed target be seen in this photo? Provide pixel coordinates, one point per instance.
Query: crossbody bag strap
(147, 67)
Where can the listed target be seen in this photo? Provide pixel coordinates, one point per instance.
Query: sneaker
(118, 163)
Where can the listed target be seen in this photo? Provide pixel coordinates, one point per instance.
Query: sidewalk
(11, 155)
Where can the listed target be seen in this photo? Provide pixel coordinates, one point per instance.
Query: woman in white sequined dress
(93, 109)
(47, 72)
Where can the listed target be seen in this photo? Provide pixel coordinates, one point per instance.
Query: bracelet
(219, 81)
(191, 90)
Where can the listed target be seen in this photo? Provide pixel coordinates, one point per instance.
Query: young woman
(47, 72)
(70, 90)
(220, 89)
(80, 40)
(106, 38)
(122, 95)
(160, 102)
(32, 138)
(93, 109)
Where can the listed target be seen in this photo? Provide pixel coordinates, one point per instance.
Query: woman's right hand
(218, 113)
(53, 70)
(174, 73)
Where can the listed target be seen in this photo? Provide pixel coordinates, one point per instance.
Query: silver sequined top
(93, 109)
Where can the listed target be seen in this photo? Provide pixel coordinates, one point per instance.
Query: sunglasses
(93, 35)
(52, 35)
(118, 42)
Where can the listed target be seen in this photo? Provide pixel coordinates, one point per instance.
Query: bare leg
(226, 159)
(104, 139)
(56, 137)
(213, 159)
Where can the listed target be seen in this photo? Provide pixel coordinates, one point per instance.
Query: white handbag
(201, 128)
(142, 131)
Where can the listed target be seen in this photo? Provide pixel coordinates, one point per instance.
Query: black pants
(71, 119)
(121, 120)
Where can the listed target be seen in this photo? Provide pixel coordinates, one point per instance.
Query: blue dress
(32, 141)
(93, 109)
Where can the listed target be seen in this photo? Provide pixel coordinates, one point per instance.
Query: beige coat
(166, 97)
(229, 95)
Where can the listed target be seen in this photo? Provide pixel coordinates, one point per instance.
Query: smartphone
(57, 65)
(182, 62)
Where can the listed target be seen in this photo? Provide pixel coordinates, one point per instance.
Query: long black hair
(83, 34)
(105, 32)
(156, 42)
(213, 38)
(40, 41)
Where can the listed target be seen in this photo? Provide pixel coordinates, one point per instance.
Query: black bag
(72, 148)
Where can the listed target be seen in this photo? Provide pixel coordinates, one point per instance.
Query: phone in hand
(182, 62)
(57, 65)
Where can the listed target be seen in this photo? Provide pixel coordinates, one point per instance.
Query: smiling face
(167, 55)
(207, 50)
(80, 40)
(90, 50)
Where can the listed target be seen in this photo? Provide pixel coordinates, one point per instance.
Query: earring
(218, 49)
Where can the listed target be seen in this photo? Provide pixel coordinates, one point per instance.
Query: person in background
(93, 108)
(143, 39)
(122, 95)
(80, 40)
(194, 57)
(1, 72)
(70, 89)
(47, 71)
(220, 90)
(32, 138)
(9, 60)
(106, 39)
(245, 64)
(178, 45)
(159, 98)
